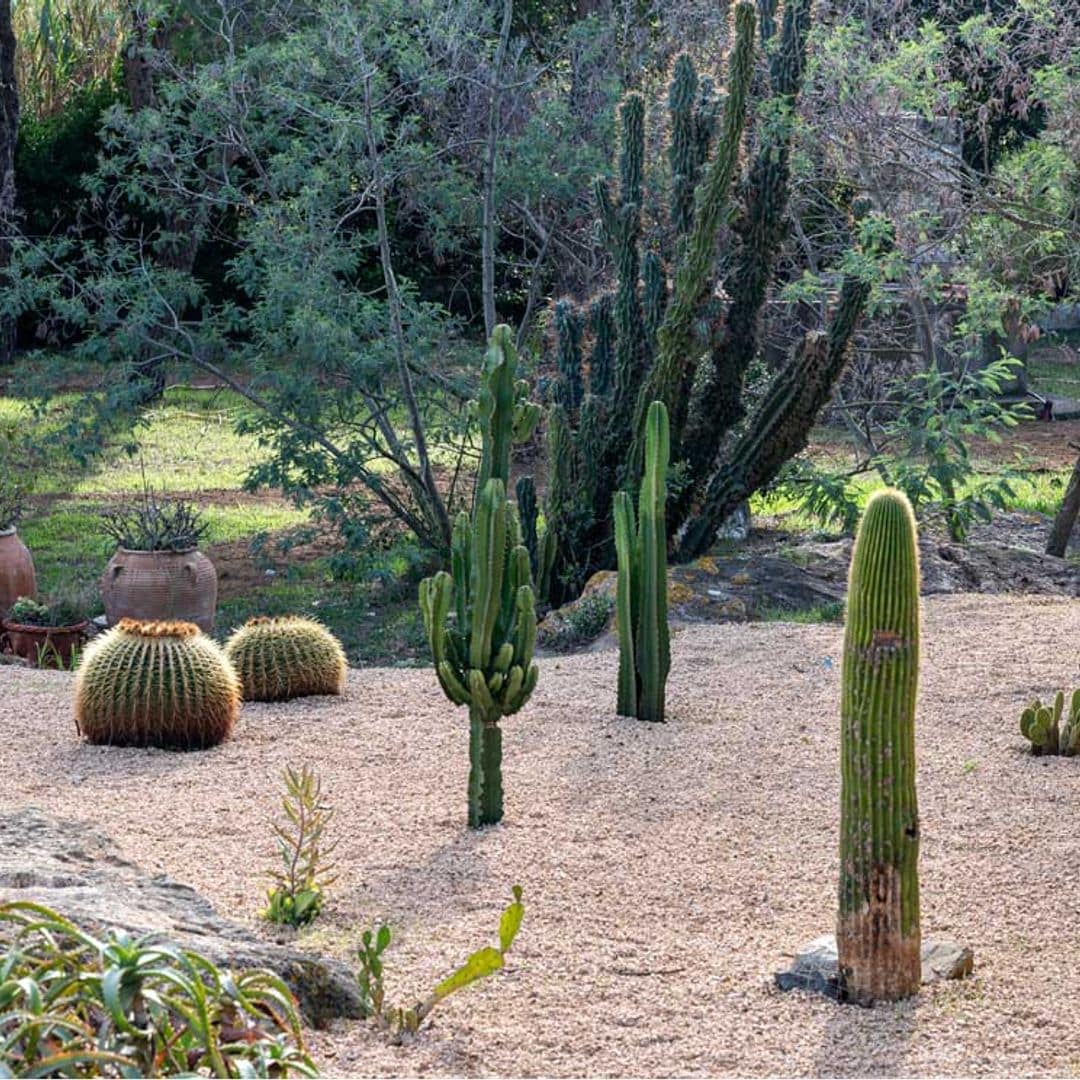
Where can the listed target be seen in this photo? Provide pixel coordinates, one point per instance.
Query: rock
(75, 870)
(815, 965)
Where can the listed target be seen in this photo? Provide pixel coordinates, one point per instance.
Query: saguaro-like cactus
(878, 923)
(161, 684)
(641, 599)
(481, 617)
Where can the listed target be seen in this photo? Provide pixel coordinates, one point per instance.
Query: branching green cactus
(1046, 728)
(878, 924)
(480, 618)
(568, 332)
(602, 361)
(287, 657)
(641, 600)
(155, 684)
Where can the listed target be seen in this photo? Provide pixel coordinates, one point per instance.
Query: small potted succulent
(157, 572)
(16, 564)
(48, 635)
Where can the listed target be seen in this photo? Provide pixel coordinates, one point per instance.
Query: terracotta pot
(166, 585)
(44, 646)
(16, 569)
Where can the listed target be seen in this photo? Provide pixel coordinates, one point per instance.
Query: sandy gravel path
(668, 870)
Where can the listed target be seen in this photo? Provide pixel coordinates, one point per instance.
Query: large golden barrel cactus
(163, 684)
(286, 657)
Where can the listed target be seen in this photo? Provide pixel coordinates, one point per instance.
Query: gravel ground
(668, 870)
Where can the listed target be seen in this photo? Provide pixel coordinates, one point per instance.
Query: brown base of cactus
(877, 962)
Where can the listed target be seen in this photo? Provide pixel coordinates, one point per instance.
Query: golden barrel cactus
(163, 684)
(286, 657)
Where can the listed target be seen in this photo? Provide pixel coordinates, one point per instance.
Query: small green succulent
(1049, 729)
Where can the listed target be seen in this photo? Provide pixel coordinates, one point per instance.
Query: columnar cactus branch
(878, 933)
(641, 598)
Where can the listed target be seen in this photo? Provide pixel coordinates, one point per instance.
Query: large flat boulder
(78, 872)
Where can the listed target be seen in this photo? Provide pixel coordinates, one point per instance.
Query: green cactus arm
(452, 686)
(512, 698)
(626, 591)
(496, 406)
(676, 351)
(480, 696)
(435, 596)
(1074, 706)
(525, 626)
(488, 564)
(652, 644)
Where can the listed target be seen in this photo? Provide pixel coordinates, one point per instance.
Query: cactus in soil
(878, 935)
(641, 596)
(480, 618)
(155, 684)
(286, 657)
(1048, 730)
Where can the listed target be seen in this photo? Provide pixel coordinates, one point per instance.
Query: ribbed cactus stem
(878, 933)
(641, 593)
(483, 656)
(568, 333)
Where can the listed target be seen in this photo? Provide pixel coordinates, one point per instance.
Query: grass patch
(832, 612)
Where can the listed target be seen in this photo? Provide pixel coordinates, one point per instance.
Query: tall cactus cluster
(162, 684)
(286, 657)
(677, 328)
(641, 598)
(878, 934)
(480, 617)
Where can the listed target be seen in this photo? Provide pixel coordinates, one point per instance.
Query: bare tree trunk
(424, 487)
(1065, 519)
(9, 129)
(487, 224)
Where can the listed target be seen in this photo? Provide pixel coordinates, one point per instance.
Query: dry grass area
(668, 870)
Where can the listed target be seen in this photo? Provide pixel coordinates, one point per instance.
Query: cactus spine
(878, 923)
(484, 655)
(641, 598)
(286, 657)
(163, 684)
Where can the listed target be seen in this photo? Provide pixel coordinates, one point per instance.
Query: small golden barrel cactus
(163, 684)
(286, 657)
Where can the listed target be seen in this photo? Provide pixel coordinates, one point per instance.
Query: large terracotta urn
(16, 569)
(160, 585)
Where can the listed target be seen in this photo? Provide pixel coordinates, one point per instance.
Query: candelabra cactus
(289, 657)
(1042, 725)
(878, 933)
(480, 618)
(155, 684)
(641, 596)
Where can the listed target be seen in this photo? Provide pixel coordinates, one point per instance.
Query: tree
(9, 128)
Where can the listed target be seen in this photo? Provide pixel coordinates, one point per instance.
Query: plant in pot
(48, 635)
(16, 564)
(157, 572)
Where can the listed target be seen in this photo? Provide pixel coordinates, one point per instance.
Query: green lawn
(188, 446)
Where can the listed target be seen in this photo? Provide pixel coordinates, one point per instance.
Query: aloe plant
(480, 617)
(641, 597)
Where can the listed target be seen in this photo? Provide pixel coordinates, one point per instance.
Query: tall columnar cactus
(878, 923)
(568, 333)
(286, 657)
(540, 545)
(155, 684)
(641, 600)
(480, 618)
(602, 360)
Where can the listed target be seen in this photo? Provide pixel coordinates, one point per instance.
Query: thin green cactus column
(878, 934)
(641, 596)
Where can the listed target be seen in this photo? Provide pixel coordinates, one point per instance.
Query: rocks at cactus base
(815, 966)
(74, 869)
